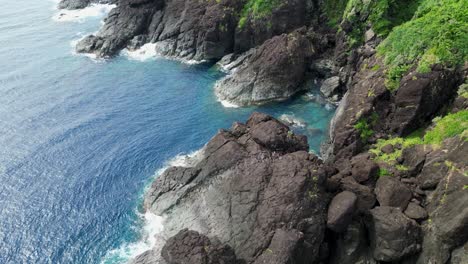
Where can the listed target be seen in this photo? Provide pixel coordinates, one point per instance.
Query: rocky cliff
(391, 183)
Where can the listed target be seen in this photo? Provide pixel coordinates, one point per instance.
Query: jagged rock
(392, 192)
(340, 211)
(285, 247)
(330, 86)
(245, 186)
(416, 212)
(192, 247)
(363, 168)
(275, 71)
(366, 198)
(393, 236)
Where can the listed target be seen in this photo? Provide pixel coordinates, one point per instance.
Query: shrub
(437, 34)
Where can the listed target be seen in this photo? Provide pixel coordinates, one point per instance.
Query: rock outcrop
(275, 70)
(256, 190)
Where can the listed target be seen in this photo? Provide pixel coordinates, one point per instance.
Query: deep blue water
(80, 139)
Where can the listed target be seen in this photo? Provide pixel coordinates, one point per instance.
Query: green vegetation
(463, 90)
(384, 172)
(257, 9)
(382, 15)
(437, 34)
(390, 158)
(449, 126)
(364, 126)
(334, 10)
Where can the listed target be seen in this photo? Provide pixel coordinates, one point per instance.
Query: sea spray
(79, 15)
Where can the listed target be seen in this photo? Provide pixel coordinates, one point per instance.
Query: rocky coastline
(391, 184)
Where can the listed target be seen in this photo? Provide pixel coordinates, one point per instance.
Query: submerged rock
(256, 188)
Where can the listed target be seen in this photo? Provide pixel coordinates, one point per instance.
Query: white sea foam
(150, 51)
(228, 104)
(145, 52)
(79, 15)
(152, 225)
(291, 120)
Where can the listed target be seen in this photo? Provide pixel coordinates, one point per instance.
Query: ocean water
(80, 139)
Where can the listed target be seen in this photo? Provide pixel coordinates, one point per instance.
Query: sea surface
(80, 139)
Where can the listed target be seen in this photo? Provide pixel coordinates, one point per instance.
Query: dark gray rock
(330, 86)
(248, 183)
(192, 247)
(190, 30)
(414, 158)
(393, 236)
(416, 212)
(340, 211)
(285, 247)
(392, 192)
(366, 198)
(352, 246)
(446, 206)
(363, 168)
(275, 71)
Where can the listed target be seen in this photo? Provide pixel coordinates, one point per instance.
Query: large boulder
(392, 192)
(340, 211)
(244, 189)
(274, 71)
(393, 236)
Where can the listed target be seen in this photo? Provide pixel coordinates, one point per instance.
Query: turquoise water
(80, 139)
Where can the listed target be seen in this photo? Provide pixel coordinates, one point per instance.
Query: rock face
(393, 235)
(191, 30)
(192, 247)
(274, 71)
(256, 189)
